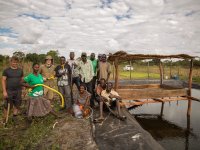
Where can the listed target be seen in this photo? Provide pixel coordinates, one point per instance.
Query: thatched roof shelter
(123, 56)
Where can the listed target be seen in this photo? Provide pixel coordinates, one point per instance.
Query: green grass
(138, 75)
(26, 135)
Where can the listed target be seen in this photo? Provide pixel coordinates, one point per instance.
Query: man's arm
(5, 95)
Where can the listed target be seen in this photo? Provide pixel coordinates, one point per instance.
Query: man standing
(74, 68)
(104, 68)
(95, 65)
(63, 74)
(48, 73)
(11, 84)
(86, 74)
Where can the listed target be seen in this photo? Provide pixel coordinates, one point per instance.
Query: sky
(100, 26)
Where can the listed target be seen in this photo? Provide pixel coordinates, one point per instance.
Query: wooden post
(130, 69)
(162, 108)
(190, 88)
(113, 70)
(148, 70)
(116, 73)
(161, 72)
(187, 133)
(170, 70)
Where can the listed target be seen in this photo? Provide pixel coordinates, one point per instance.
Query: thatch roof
(123, 56)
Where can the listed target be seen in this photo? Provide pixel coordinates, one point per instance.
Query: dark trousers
(93, 87)
(66, 92)
(76, 81)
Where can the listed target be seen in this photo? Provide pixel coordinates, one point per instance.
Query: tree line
(34, 57)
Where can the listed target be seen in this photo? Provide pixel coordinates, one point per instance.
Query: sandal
(98, 120)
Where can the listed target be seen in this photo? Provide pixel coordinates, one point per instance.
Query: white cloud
(142, 26)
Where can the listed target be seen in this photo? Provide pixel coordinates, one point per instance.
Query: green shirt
(32, 79)
(94, 64)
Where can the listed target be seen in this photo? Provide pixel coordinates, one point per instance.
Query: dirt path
(70, 133)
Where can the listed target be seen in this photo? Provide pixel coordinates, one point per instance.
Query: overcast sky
(100, 26)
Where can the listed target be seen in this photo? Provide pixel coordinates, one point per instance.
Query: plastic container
(77, 111)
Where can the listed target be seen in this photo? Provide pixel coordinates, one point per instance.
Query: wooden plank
(155, 101)
(132, 94)
(164, 86)
(193, 98)
(142, 86)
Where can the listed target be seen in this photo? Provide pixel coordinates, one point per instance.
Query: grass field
(141, 72)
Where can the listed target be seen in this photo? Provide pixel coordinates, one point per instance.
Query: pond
(171, 130)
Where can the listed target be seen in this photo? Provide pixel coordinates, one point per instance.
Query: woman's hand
(5, 94)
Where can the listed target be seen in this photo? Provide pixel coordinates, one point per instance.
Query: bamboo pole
(190, 88)
(161, 72)
(116, 73)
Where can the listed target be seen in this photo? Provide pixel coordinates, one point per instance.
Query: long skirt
(38, 106)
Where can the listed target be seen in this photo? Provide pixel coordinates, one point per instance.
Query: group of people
(90, 75)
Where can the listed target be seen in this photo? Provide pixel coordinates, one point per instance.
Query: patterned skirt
(38, 106)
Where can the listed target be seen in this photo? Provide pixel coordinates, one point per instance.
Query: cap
(48, 57)
(84, 54)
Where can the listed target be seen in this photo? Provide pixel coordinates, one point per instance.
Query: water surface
(172, 130)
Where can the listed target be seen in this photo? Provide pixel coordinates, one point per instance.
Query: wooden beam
(155, 101)
(193, 98)
(132, 94)
(190, 88)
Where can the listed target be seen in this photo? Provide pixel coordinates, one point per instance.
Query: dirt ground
(70, 133)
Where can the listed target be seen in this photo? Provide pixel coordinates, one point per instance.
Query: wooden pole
(190, 88)
(162, 108)
(170, 69)
(148, 70)
(113, 70)
(130, 69)
(161, 72)
(116, 73)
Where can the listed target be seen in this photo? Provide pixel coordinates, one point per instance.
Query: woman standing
(37, 105)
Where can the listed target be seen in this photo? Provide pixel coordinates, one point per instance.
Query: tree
(20, 55)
